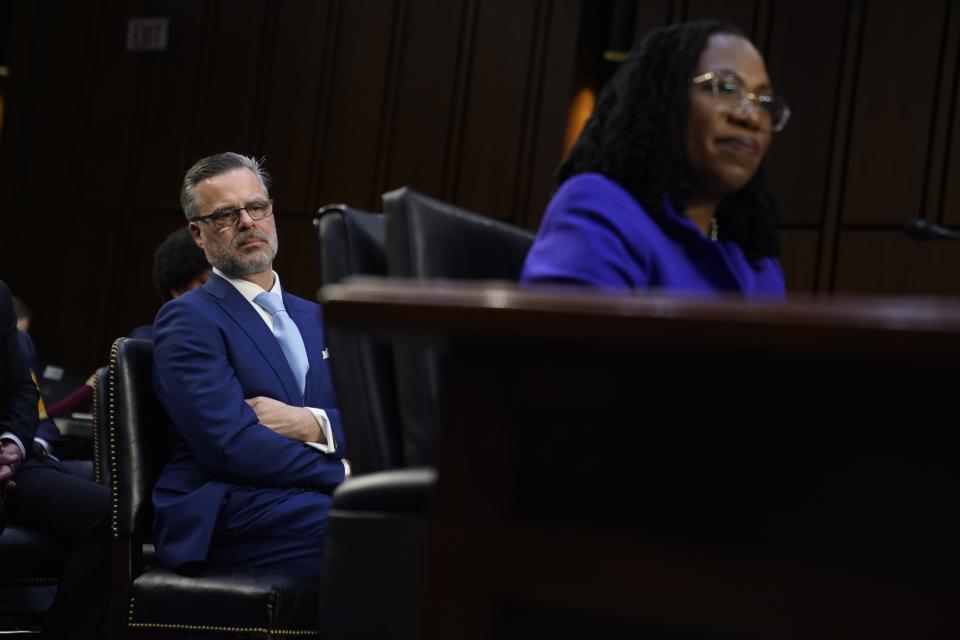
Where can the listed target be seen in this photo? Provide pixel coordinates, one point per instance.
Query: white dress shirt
(249, 291)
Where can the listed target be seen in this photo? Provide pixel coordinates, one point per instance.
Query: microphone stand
(928, 232)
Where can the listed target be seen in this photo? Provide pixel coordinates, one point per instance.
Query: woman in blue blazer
(664, 187)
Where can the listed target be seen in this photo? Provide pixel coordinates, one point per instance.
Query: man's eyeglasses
(226, 218)
(730, 91)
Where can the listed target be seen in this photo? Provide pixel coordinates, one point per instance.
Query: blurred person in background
(664, 188)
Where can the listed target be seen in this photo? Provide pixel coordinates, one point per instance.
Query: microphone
(927, 231)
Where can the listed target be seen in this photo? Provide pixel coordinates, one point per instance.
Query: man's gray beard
(237, 266)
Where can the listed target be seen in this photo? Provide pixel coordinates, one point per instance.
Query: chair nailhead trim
(199, 627)
(97, 427)
(19, 580)
(112, 424)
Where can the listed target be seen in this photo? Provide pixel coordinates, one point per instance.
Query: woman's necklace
(714, 228)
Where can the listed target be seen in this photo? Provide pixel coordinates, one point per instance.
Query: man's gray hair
(213, 166)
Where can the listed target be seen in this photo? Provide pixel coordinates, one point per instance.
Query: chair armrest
(396, 491)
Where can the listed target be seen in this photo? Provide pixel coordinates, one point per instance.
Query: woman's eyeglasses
(731, 92)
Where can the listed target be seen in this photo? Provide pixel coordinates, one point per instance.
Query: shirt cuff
(46, 447)
(329, 446)
(23, 452)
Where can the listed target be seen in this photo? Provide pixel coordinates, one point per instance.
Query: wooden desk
(637, 466)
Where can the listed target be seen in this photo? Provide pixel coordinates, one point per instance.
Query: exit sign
(147, 34)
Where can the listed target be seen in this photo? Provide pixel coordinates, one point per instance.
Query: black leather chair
(101, 405)
(352, 244)
(430, 239)
(376, 528)
(374, 553)
(148, 600)
(377, 523)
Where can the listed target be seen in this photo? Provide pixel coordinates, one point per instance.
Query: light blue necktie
(288, 335)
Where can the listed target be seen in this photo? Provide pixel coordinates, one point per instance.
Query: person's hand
(10, 459)
(296, 423)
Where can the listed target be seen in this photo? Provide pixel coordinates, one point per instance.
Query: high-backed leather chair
(376, 531)
(373, 555)
(148, 600)
(101, 451)
(352, 244)
(376, 525)
(431, 239)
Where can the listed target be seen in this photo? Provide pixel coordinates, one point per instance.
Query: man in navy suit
(241, 367)
(37, 493)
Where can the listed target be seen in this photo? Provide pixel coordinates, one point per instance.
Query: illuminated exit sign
(147, 34)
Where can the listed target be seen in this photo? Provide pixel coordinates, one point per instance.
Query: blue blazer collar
(250, 322)
(309, 321)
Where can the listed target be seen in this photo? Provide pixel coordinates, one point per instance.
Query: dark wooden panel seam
(202, 84)
(871, 226)
(129, 203)
(129, 196)
(763, 25)
(121, 260)
(391, 98)
(56, 211)
(95, 19)
(460, 103)
(16, 98)
(564, 34)
(533, 98)
(679, 10)
(328, 73)
(855, 25)
(798, 226)
(265, 65)
(937, 144)
(947, 116)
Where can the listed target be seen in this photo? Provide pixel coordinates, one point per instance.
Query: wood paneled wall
(462, 99)
(874, 139)
(465, 100)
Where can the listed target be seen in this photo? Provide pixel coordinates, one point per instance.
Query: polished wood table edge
(880, 327)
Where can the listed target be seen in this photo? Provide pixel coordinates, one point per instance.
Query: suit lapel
(250, 322)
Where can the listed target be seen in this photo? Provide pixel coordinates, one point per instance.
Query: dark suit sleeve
(29, 351)
(197, 384)
(46, 428)
(18, 395)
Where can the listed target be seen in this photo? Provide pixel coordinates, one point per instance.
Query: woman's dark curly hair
(636, 137)
(176, 262)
